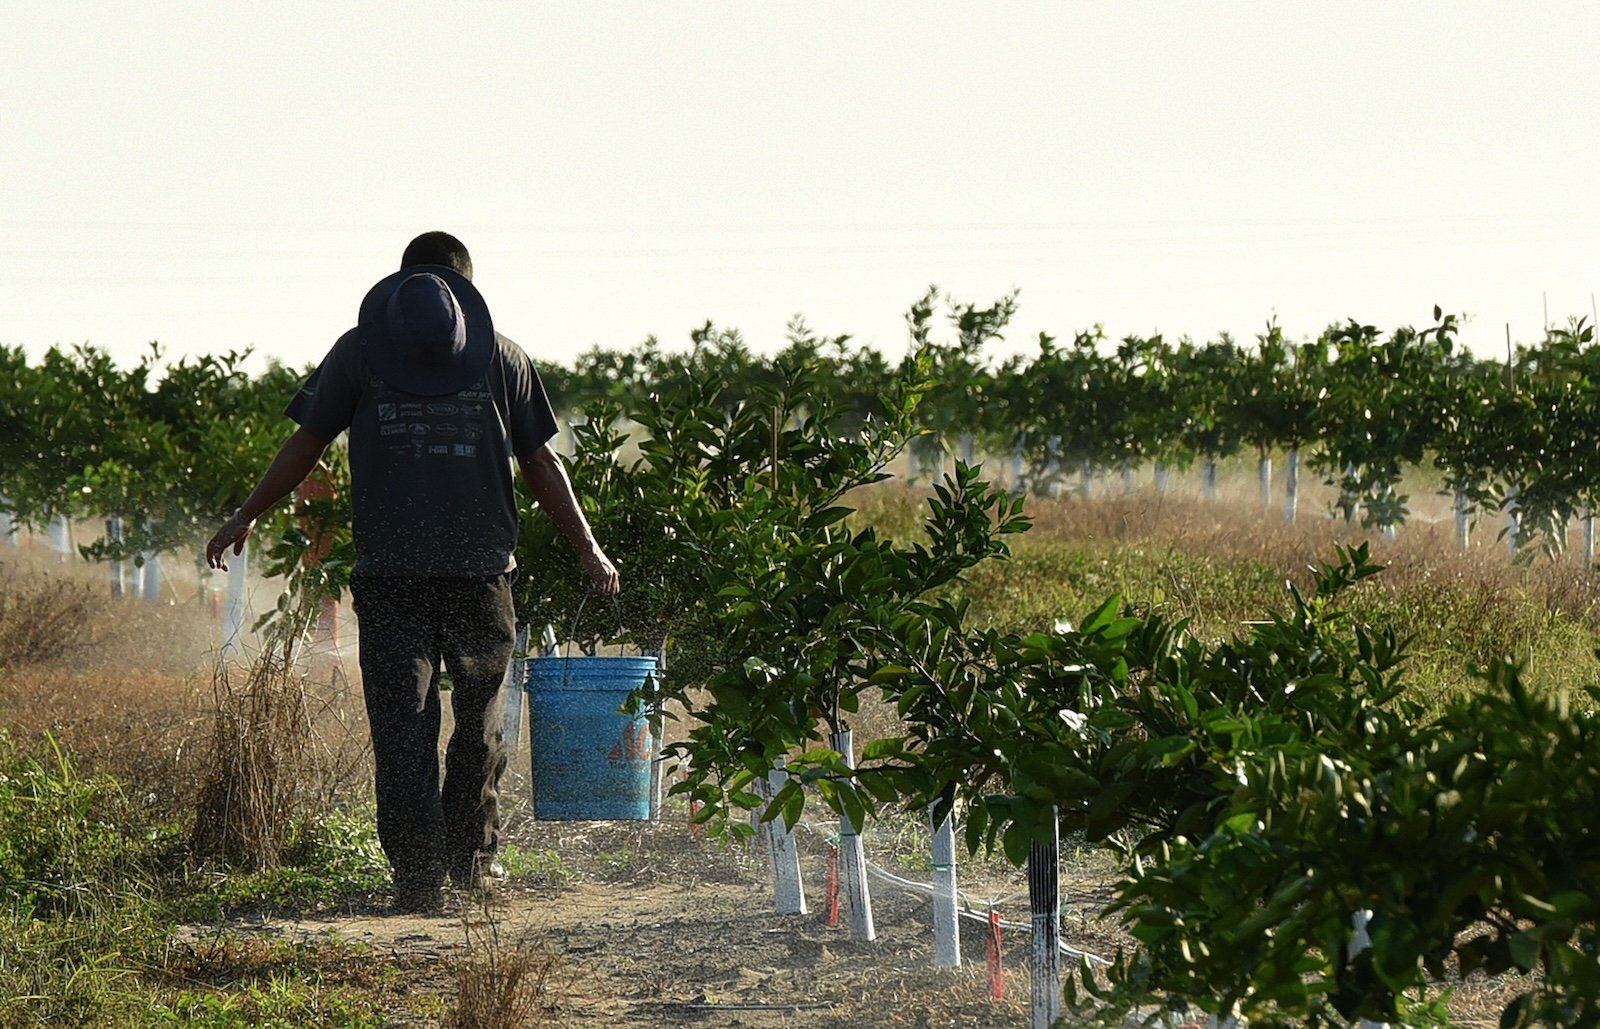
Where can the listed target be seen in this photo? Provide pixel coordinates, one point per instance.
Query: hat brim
(388, 361)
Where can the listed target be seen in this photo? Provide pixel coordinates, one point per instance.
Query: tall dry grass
(280, 752)
(1424, 562)
(45, 617)
(256, 763)
(504, 982)
(1221, 562)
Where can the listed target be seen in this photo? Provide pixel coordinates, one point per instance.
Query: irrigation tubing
(977, 916)
(972, 903)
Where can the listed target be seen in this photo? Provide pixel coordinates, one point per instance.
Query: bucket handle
(577, 618)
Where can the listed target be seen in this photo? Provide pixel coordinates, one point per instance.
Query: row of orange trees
(169, 447)
(1363, 407)
(172, 446)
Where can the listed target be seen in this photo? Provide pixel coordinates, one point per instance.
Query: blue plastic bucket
(590, 761)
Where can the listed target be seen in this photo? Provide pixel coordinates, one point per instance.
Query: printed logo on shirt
(411, 410)
(386, 412)
(397, 429)
(419, 428)
(444, 410)
(447, 429)
(438, 448)
(473, 432)
(465, 450)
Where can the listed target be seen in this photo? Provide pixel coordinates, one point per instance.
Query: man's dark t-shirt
(432, 486)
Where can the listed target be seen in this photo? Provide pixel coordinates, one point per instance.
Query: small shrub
(501, 984)
(327, 860)
(63, 837)
(44, 618)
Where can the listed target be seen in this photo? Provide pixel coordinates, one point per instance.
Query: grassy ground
(109, 714)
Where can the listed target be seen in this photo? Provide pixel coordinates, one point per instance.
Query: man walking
(437, 405)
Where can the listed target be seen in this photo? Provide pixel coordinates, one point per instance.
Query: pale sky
(216, 176)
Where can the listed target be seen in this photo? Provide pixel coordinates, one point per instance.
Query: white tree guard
(119, 576)
(1360, 941)
(853, 857)
(61, 537)
(1127, 478)
(1161, 478)
(1208, 479)
(969, 446)
(1016, 467)
(1463, 509)
(512, 700)
(1052, 447)
(234, 607)
(8, 527)
(1513, 524)
(1389, 533)
(1588, 538)
(1291, 485)
(946, 923)
(1086, 478)
(150, 577)
(1044, 899)
(1264, 479)
(657, 741)
(788, 887)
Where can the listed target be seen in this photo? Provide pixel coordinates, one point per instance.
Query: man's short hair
(438, 248)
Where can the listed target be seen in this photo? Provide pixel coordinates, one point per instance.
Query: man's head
(426, 330)
(439, 248)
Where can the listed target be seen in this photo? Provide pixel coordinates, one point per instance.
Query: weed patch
(44, 618)
(503, 982)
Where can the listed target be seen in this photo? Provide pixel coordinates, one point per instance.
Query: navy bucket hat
(425, 330)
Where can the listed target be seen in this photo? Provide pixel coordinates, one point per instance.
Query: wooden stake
(997, 979)
(832, 918)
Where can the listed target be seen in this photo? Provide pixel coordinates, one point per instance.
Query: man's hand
(233, 533)
(601, 571)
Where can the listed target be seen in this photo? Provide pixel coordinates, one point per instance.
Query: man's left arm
(547, 480)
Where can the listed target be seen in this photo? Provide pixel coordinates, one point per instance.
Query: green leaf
(1102, 617)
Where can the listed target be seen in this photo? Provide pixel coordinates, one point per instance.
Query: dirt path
(649, 927)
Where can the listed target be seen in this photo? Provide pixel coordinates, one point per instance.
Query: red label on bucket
(634, 745)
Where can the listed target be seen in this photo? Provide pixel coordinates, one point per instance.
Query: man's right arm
(294, 461)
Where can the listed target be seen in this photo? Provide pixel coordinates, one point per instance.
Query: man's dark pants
(408, 626)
